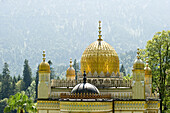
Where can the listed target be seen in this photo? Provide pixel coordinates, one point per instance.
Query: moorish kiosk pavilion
(99, 87)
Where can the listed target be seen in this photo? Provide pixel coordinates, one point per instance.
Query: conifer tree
(3, 103)
(36, 82)
(27, 74)
(122, 69)
(6, 83)
(13, 87)
(52, 74)
(0, 77)
(14, 79)
(19, 77)
(76, 67)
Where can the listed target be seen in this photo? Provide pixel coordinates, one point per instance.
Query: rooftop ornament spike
(70, 62)
(84, 78)
(100, 36)
(44, 56)
(138, 54)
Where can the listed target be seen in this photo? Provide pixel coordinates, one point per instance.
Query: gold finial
(100, 36)
(70, 62)
(44, 56)
(138, 53)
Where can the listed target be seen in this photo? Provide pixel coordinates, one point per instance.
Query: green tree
(6, 83)
(14, 79)
(13, 87)
(21, 103)
(3, 103)
(19, 78)
(122, 69)
(19, 86)
(27, 74)
(76, 67)
(158, 53)
(30, 92)
(0, 77)
(36, 82)
(52, 74)
(127, 59)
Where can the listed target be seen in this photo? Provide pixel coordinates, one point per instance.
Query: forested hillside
(65, 28)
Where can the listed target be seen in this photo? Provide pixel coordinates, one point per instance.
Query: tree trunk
(160, 96)
(161, 79)
(22, 111)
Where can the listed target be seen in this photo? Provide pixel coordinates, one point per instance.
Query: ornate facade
(98, 87)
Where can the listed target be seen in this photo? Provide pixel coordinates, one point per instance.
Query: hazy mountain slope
(65, 28)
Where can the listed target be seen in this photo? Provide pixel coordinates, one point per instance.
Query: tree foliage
(30, 92)
(3, 103)
(36, 83)
(122, 69)
(158, 53)
(6, 82)
(20, 86)
(21, 103)
(127, 59)
(27, 74)
(19, 78)
(52, 74)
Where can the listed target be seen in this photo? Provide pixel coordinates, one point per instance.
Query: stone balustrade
(96, 82)
(114, 95)
(84, 96)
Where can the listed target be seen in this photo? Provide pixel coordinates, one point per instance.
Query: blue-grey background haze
(64, 28)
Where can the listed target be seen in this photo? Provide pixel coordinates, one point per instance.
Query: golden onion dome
(100, 57)
(138, 64)
(148, 70)
(44, 66)
(70, 71)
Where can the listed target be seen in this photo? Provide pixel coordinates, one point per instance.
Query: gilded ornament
(100, 57)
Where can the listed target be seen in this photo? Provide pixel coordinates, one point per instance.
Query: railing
(84, 96)
(113, 95)
(95, 82)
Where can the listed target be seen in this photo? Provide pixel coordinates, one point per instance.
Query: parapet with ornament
(98, 82)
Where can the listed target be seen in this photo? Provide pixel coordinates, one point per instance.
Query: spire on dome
(44, 56)
(100, 36)
(138, 53)
(84, 78)
(70, 62)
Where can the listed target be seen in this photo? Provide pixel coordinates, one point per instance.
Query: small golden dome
(70, 71)
(148, 70)
(138, 64)
(44, 66)
(100, 57)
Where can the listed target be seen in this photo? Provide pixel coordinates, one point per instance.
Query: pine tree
(36, 82)
(122, 69)
(14, 79)
(76, 67)
(0, 77)
(3, 103)
(30, 92)
(52, 74)
(27, 75)
(6, 83)
(19, 77)
(13, 87)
